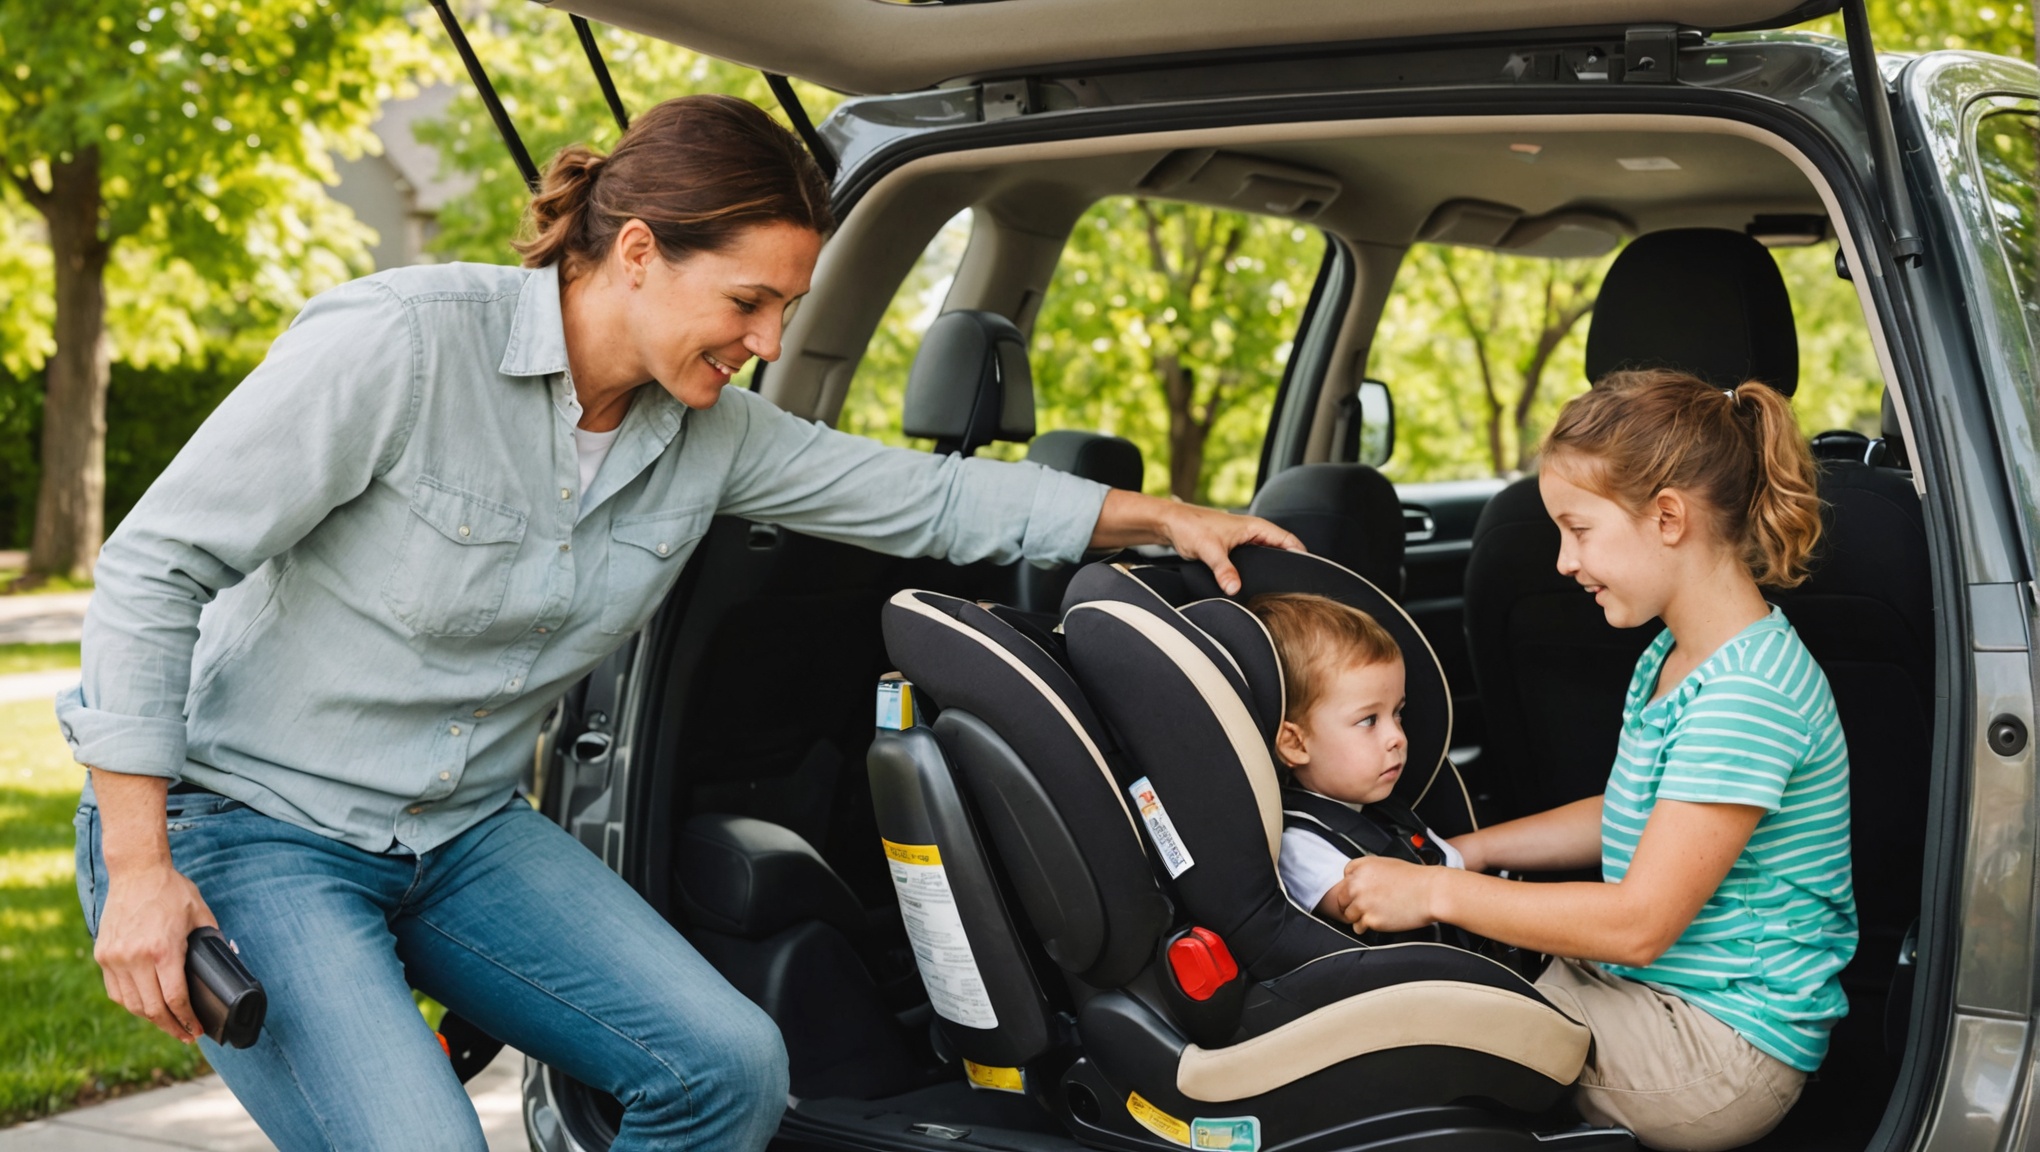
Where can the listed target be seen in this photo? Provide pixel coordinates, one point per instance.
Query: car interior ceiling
(771, 647)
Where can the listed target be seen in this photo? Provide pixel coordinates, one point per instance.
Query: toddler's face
(1350, 745)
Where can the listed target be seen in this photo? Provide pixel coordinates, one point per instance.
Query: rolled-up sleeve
(308, 430)
(831, 484)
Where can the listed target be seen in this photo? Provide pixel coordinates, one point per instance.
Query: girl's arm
(1562, 838)
(1685, 852)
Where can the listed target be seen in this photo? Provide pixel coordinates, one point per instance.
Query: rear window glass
(2007, 155)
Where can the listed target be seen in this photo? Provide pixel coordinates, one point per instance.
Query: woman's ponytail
(696, 170)
(1637, 433)
(1784, 512)
(559, 212)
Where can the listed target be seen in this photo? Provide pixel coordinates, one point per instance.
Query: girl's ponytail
(1784, 512)
(559, 211)
(1635, 434)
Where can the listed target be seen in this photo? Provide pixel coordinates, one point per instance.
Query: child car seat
(1161, 989)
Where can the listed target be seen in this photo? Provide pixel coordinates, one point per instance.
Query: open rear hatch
(870, 47)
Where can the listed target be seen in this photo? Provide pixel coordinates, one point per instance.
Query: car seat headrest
(970, 383)
(1702, 300)
(1246, 656)
(1110, 460)
(1347, 513)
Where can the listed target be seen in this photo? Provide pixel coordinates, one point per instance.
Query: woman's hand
(151, 908)
(1383, 895)
(1195, 532)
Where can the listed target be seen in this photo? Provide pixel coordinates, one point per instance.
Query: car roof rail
(601, 70)
(824, 155)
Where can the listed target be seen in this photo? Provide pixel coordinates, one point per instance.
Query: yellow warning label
(1157, 1121)
(997, 1079)
(922, 854)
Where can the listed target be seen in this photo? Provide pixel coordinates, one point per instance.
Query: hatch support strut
(818, 147)
(588, 45)
(1898, 214)
(487, 91)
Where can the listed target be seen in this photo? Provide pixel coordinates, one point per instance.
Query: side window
(879, 390)
(1169, 324)
(1481, 349)
(2009, 161)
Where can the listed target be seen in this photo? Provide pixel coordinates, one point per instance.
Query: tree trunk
(70, 508)
(1186, 435)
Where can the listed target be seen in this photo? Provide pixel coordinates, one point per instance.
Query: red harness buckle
(1202, 963)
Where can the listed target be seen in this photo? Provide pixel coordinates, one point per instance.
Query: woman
(444, 497)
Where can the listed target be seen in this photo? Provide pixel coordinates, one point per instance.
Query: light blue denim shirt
(354, 594)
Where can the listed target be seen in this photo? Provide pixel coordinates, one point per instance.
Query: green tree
(1170, 324)
(176, 156)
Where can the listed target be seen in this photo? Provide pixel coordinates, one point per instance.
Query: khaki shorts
(1666, 1070)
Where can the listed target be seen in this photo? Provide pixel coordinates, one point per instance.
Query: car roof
(869, 47)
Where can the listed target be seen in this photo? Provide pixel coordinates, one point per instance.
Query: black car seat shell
(1313, 1030)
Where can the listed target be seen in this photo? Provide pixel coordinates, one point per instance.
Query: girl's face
(1624, 560)
(697, 322)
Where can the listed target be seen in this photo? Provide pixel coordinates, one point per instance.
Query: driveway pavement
(52, 618)
(202, 1116)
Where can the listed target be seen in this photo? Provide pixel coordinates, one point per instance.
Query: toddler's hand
(1382, 895)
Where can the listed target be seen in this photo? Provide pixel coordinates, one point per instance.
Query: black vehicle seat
(1552, 673)
(768, 912)
(1298, 1025)
(1347, 513)
(969, 384)
(1110, 460)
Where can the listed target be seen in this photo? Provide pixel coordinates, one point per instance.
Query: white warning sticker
(955, 988)
(1161, 829)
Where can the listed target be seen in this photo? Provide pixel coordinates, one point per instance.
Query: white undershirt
(1310, 865)
(593, 448)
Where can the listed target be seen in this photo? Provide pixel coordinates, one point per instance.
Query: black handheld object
(228, 999)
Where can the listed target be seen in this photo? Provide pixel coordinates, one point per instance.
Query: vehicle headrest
(1702, 300)
(970, 384)
(1235, 641)
(1347, 513)
(1110, 460)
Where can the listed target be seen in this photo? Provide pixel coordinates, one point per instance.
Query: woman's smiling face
(697, 321)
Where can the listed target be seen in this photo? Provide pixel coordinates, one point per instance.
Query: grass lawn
(62, 1042)
(33, 658)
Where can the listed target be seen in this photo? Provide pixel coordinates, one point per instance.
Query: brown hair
(1314, 637)
(1635, 434)
(696, 169)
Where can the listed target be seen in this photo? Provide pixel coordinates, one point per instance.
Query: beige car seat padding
(1504, 1024)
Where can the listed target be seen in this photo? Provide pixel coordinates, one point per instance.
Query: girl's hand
(1383, 895)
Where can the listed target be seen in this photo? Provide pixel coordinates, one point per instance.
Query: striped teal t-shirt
(1753, 724)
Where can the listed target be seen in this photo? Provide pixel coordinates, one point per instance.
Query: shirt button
(566, 547)
(513, 685)
(442, 776)
(464, 530)
(541, 630)
(455, 729)
(414, 811)
(481, 712)
(566, 493)
(662, 549)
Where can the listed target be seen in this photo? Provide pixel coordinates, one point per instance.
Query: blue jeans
(513, 925)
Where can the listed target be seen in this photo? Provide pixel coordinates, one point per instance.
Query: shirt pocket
(646, 553)
(453, 563)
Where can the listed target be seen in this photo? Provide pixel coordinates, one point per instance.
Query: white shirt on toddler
(1310, 865)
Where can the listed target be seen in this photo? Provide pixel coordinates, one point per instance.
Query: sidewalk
(202, 1116)
(39, 618)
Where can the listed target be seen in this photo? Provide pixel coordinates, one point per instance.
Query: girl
(1705, 963)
